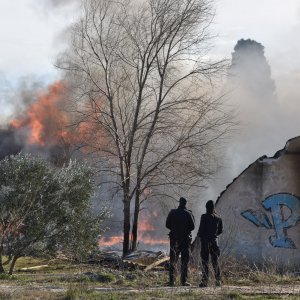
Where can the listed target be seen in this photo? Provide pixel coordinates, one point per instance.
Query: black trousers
(210, 248)
(179, 247)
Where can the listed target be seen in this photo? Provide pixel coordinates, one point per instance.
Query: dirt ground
(271, 291)
(60, 280)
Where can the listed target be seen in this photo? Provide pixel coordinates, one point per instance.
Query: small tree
(45, 209)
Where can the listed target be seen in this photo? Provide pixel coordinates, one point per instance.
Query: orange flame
(147, 233)
(110, 241)
(46, 123)
(44, 120)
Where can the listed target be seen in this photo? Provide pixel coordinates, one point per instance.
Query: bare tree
(141, 82)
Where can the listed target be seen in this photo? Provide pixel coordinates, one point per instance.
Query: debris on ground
(111, 259)
(34, 268)
(140, 259)
(157, 263)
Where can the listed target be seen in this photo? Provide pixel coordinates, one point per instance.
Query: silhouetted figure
(210, 228)
(181, 222)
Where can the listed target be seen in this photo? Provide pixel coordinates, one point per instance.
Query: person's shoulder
(189, 212)
(172, 211)
(217, 217)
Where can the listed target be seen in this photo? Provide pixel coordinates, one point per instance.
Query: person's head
(210, 207)
(182, 202)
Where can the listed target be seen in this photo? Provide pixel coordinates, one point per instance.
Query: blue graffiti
(274, 204)
(253, 217)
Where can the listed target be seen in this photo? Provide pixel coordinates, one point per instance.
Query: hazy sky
(31, 37)
(274, 23)
(31, 33)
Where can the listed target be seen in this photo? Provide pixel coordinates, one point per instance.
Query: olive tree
(45, 209)
(140, 81)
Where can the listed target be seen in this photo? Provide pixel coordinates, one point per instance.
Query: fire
(154, 242)
(45, 123)
(43, 119)
(110, 241)
(148, 233)
(145, 226)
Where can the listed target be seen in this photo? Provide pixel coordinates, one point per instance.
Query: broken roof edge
(291, 146)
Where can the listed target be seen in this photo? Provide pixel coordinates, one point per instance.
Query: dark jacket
(210, 227)
(181, 222)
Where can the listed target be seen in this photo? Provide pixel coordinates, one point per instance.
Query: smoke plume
(265, 118)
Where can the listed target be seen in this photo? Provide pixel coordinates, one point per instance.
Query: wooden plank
(33, 268)
(157, 263)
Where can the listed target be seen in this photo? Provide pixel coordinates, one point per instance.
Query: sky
(274, 23)
(32, 34)
(31, 37)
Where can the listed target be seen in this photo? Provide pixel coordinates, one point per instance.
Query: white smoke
(267, 110)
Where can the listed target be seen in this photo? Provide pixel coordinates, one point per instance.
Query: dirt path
(257, 289)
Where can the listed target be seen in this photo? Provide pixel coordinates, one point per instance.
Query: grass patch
(233, 295)
(105, 277)
(261, 297)
(80, 279)
(77, 294)
(4, 276)
(26, 262)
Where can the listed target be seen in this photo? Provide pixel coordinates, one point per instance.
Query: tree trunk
(8, 260)
(1, 265)
(126, 227)
(1, 258)
(12, 265)
(135, 221)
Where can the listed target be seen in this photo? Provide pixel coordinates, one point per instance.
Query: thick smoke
(265, 119)
(252, 91)
(10, 144)
(251, 72)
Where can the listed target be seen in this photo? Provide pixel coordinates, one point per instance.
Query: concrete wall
(261, 210)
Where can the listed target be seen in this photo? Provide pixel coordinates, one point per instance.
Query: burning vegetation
(44, 128)
(149, 234)
(40, 128)
(43, 122)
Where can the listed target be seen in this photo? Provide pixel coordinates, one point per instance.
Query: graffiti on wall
(280, 223)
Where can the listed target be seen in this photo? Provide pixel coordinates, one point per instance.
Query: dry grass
(77, 281)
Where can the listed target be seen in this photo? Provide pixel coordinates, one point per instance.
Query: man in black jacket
(181, 222)
(210, 228)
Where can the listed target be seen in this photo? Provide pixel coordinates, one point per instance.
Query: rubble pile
(142, 260)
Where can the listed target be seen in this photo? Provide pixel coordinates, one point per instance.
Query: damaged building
(261, 210)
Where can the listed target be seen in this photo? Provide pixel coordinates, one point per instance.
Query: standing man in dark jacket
(181, 222)
(211, 227)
